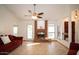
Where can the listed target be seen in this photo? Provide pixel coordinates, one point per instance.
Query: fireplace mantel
(41, 32)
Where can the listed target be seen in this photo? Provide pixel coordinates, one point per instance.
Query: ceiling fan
(34, 14)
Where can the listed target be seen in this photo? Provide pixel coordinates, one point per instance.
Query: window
(41, 24)
(15, 30)
(51, 31)
(29, 32)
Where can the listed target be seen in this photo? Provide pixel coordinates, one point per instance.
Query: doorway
(29, 32)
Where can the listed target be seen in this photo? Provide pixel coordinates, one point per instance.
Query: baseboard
(65, 43)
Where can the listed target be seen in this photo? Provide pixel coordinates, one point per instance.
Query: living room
(17, 22)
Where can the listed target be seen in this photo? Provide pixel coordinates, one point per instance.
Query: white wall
(7, 20)
(23, 28)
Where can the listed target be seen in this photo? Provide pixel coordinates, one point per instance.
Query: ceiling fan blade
(39, 17)
(40, 13)
(27, 15)
(29, 11)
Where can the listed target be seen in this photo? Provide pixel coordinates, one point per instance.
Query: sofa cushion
(11, 37)
(1, 43)
(5, 39)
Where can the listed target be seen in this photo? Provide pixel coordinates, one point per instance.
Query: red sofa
(7, 48)
(73, 49)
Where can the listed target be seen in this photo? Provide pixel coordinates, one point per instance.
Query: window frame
(15, 30)
(51, 25)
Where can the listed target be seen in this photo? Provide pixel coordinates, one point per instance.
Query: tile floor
(40, 48)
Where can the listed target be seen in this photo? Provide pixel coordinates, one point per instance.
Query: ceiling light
(76, 14)
(34, 14)
(34, 17)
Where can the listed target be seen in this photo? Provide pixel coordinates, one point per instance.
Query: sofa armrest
(74, 46)
(19, 38)
(73, 49)
(15, 37)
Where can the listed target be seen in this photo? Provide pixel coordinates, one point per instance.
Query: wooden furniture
(41, 32)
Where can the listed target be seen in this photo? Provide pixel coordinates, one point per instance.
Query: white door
(29, 32)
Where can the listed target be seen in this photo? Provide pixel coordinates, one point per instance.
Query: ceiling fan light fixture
(34, 14)
(34, 17)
